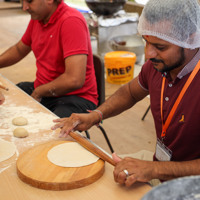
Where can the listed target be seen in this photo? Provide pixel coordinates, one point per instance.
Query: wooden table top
(11, 187)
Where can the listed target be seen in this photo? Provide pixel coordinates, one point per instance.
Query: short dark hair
(58, 1)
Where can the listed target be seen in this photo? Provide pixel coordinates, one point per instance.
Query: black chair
(100, 78)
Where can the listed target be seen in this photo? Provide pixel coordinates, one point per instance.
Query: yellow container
(119, 66)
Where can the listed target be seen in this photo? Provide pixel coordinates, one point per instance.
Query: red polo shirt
(64, 35)
(182, 136)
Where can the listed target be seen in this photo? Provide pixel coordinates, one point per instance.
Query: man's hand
(138, 170)
(2, 98)
(79, 122)
(36, 94)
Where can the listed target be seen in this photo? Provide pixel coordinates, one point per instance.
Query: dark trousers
(62, 106)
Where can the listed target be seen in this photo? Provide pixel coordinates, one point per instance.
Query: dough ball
(20, 121)
(20, 132)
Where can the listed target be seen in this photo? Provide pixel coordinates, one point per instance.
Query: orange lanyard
(171, 114)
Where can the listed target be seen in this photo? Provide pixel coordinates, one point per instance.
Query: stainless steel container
(133, 43)
(105, 7)
(185, 188)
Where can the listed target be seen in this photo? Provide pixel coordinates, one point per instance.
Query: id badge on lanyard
(163, 153)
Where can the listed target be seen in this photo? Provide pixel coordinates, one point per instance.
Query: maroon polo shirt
(183, 133)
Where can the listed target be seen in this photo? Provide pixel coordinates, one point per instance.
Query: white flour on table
(36, 120)
(39, 128)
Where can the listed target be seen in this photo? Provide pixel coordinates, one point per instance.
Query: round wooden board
(34, 168)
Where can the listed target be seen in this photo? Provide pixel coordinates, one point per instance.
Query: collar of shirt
(190, 66)
(55, 15)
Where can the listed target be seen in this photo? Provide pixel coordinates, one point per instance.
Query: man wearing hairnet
(171, 77)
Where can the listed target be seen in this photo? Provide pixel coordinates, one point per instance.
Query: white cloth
(143, 2)
(118, 18)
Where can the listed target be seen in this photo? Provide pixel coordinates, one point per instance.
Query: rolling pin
(92, 147)
(3, 87)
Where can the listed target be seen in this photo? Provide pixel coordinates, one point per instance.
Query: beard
(167, 68)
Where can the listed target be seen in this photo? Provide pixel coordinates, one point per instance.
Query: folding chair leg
(106, 137)
(87, 134)
(147, 110)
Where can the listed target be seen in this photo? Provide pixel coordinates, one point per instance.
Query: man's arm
(144, 171)
(170, 170)
(124, 98)
(72, 79)
(121, 100)
(14, 54)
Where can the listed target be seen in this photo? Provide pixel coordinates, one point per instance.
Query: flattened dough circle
(7, 150)
(19, 121)
(71, 154)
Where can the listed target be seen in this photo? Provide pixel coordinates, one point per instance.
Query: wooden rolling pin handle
(92, 148)
(3, 87)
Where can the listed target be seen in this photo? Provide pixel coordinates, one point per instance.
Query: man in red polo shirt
(171, 76)
(59, 38)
